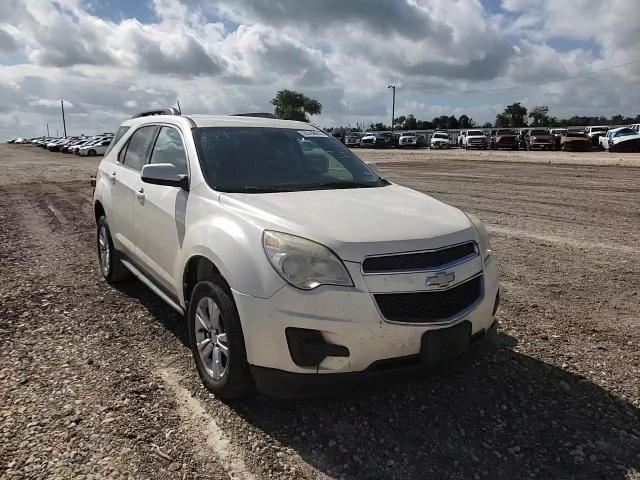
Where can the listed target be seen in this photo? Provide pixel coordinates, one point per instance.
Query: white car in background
(595, 133)
(624, 139)
(97, 148)
(407, 140)
(296, 265)
(440, 140)
(474, 139)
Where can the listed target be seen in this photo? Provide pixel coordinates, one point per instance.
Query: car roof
(198, 120)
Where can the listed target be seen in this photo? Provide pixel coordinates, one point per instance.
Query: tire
(213, 314)
(91, 153)
(111, 267)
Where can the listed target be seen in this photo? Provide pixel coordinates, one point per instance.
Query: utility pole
(48, 130)
(179, 109)
(64, 125)
(393, 105)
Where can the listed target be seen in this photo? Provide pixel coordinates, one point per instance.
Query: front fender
(234, 246)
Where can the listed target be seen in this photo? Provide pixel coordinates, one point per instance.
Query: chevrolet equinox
(295, 264)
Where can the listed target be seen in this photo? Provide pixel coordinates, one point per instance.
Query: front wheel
(110, 265)
(217, 341)
(91, 153)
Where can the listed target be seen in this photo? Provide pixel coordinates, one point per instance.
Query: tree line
(290, 105)
(516, 115)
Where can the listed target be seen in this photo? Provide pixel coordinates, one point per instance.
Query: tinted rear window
(139, 147)
(121, 131)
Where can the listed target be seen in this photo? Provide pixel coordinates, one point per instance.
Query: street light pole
(64, 125)
(393, 105)
(48, 130)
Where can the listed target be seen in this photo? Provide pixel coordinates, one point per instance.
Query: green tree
(465, 122)
(410, 122)
(502, 120)
(441, 122)
(378, 127)
(290, 105)
(540, 116)
(514, 115)
(399, 121)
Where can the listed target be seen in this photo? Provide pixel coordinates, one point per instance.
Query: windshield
(538, 132)
(407, 134)
(506, 132)
(263, 160)
(441, 135)
(625, 131)
(575, 133)
(475, 133)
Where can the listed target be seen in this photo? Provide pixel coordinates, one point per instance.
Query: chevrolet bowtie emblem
(442, 279)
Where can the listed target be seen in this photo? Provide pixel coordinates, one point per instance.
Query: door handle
(140, 194)
(113, 178)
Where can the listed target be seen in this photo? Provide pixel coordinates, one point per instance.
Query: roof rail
(161, 111)
(257, 114)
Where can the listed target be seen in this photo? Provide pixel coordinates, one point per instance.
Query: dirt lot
(98, 382)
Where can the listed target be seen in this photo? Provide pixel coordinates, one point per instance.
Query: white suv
(474, 139)
(295, 263)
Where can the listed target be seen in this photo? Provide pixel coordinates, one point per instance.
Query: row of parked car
(623, 139)
(438, 139)
(89, 146)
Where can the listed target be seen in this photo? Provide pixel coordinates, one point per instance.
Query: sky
(108, 59)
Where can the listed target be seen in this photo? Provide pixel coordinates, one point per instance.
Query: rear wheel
(91, 153)
(217, 341)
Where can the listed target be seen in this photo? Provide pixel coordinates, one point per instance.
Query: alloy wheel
(211, 338)
(104, 251)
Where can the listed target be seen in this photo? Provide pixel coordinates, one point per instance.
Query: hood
(357, 222)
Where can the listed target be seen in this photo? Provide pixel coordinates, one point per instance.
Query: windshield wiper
(300, 187)
(343, 185)
(265, 189)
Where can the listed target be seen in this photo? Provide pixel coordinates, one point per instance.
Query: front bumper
(349, 317)
(283, 384)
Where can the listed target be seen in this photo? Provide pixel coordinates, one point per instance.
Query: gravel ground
(98, 382)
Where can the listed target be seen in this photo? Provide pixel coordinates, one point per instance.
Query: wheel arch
(199, 267)
(98, 210)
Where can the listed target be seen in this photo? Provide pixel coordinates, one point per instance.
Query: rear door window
(121, 131)
(139, 147)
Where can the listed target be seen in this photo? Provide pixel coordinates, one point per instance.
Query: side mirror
(164, 174)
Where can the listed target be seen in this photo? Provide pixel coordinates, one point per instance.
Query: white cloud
(226, 56)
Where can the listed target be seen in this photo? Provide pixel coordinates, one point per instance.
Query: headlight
(485, 247)
(303, 263)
